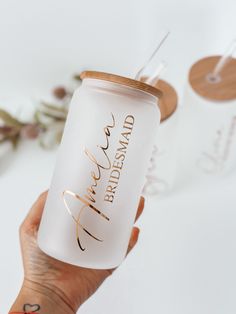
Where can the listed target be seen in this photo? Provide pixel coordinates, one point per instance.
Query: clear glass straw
(141, 72)
(215, 75)
(153, 79)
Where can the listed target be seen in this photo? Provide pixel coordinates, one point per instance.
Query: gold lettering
(112, 181)
(115, 174)
(77, 220)
(109, 198)
(89, 198)
(129, 120)
(118, 164)
(110, 189)
(119, 159)
(120, 156)
(126, 136)
(123, 148)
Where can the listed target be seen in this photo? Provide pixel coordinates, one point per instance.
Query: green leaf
(53, 116)
(9, 120)
(3, 139)
(51, 111)
(77, 77)
(58, 136)
(54, 108)
(38, 115)
(15, 141)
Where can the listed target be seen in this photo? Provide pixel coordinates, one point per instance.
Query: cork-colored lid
(123, 81)
(169, 101)
(223, 89)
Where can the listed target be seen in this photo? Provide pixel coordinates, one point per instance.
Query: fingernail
(142, 199)
(136, 232)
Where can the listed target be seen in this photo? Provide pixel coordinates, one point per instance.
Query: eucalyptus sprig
(10, 128)
(47, 124)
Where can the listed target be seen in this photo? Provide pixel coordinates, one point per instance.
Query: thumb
(133, 239)
(33, 218)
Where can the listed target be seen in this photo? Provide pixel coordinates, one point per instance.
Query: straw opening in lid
(223, 89)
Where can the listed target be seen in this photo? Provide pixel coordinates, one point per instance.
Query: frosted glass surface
(161, 173)
(101, 167)
(209, 146)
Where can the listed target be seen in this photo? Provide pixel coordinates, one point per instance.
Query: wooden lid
(222, 89)
(169, 100)
(123, 81)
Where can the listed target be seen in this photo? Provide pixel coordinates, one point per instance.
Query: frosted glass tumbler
(162, 169)
(100, 171)
(208, 121)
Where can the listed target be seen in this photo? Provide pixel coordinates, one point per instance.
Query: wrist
(34, 297)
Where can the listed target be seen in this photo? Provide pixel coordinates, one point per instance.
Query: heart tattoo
(31, 308)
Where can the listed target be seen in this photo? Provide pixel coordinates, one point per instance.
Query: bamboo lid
(221, 90)
(169, 100)
(123, 81)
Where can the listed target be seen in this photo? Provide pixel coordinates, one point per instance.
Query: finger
(140, 208)
(135, 231)
(34, 216)
(132, 242)
(133, 239)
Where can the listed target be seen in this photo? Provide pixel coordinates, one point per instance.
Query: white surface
(185, 260)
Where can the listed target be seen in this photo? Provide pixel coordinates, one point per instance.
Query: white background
(185, 260)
